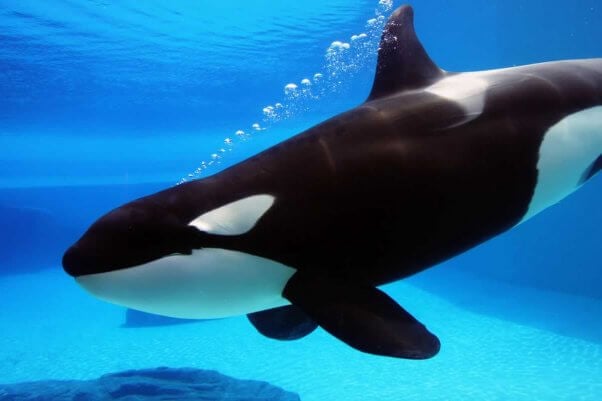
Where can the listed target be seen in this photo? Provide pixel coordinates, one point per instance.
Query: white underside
(568, 149)
(210, 283)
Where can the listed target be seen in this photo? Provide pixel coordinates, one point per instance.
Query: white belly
(210, 283)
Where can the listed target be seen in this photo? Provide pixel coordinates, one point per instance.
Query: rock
(157, 384)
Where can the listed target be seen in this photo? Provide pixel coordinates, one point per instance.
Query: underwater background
(102, 102)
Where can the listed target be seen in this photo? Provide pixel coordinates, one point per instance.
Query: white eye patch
(234, 218)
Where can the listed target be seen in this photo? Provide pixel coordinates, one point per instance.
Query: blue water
(103, 102)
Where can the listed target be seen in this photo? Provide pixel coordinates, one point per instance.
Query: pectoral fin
(362, 316)
(283, 323)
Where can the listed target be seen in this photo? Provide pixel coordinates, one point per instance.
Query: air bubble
(290, 89)
(338, 45)
(387, 4)
(341, 61)
(357, 37)
(268, 111)
(390, 38)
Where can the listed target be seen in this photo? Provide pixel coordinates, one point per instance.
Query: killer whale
(300, 235)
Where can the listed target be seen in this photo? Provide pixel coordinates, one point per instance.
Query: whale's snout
(129, 237)
(73, 261)
(96, 252)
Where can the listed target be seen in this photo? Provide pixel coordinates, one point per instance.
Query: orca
(301, 235)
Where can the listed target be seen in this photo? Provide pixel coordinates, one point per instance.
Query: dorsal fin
(402, 61)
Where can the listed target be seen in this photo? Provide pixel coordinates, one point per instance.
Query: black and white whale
(301, 235)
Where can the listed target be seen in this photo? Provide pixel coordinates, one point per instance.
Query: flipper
(402, 61)
(283, 323)
(362, 316)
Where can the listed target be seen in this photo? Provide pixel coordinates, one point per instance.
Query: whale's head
(129, 236)
(144, 256)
